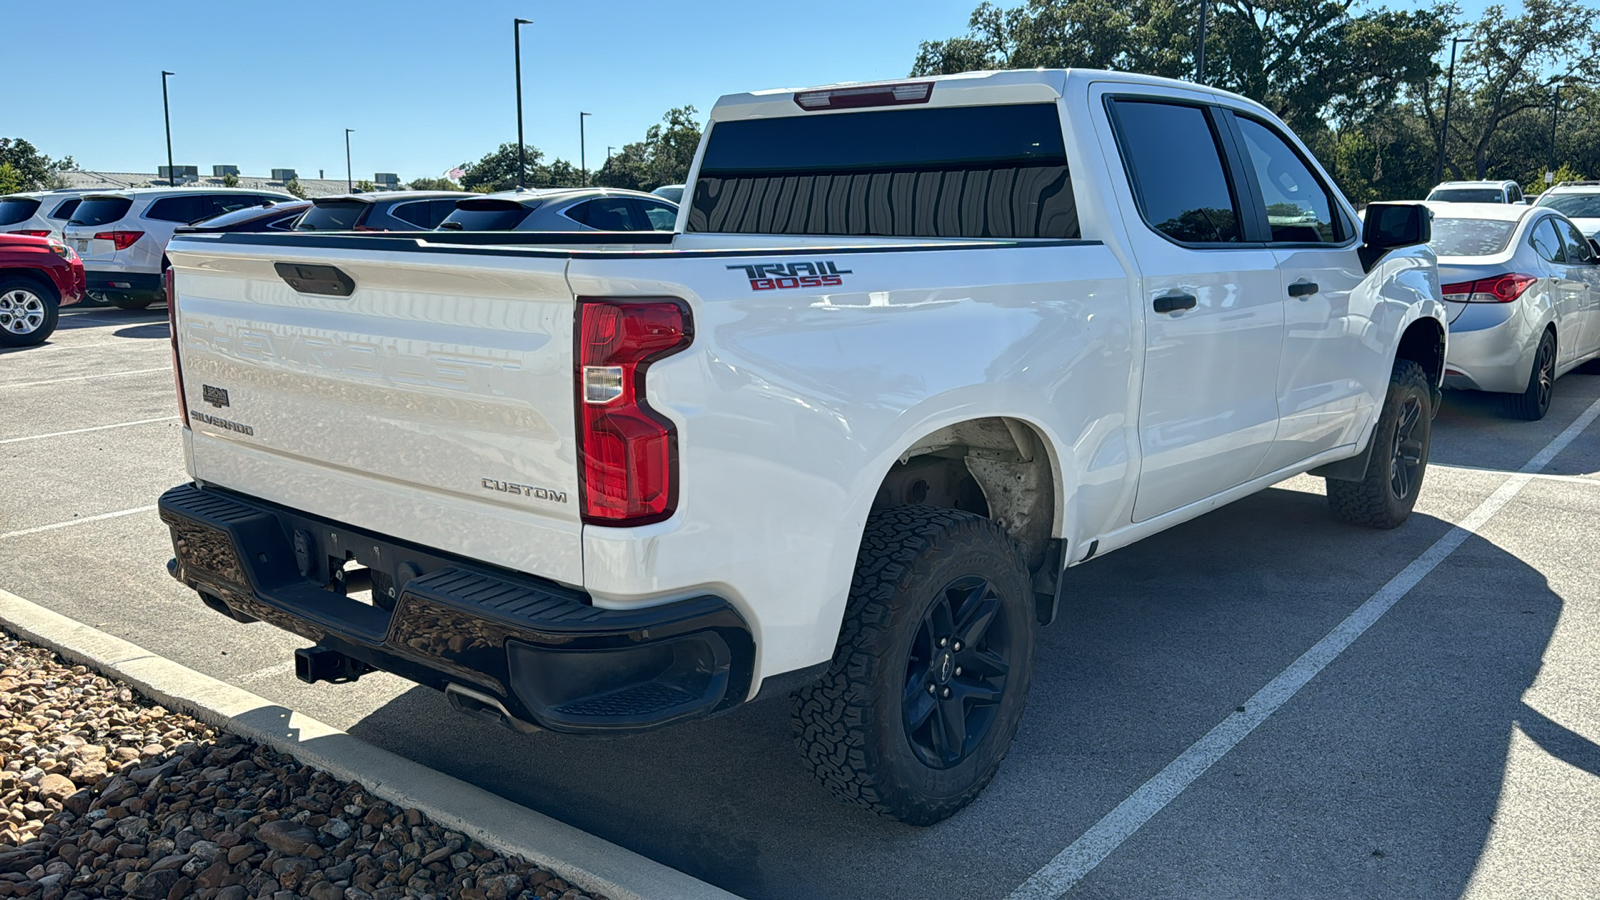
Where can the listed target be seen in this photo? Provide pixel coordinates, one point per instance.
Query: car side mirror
(1391, 225)
(1596, 245)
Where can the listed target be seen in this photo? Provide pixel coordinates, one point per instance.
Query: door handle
(1175, 302)
(1303, 288)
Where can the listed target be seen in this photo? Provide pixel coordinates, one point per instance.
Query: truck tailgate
(432, 404)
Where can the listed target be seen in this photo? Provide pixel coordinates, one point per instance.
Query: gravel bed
(109, 795)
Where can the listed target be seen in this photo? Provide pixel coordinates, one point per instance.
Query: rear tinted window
(606, 214)
(1185, 195)
(978, 171)
(1470, 237)
(415, 212)
(180, 209)
(65, 210)
(17, 210)
(98, 211)
(486, 215)
(1469, 195)
(339, 215)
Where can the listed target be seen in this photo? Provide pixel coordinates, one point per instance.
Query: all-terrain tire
(1534, 402)
(1384, 497)
(854, 728)
(29, 310)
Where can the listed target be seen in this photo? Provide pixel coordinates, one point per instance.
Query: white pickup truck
(913, 350)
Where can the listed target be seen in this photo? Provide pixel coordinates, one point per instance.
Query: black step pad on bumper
(540, 650)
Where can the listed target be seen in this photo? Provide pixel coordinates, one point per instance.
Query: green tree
(1511, 67)
(433, 184)
(34, 170)
(365, 187)
(663, 157)
(294, 188)
(10, 179)
(497, 170)
(230, 180)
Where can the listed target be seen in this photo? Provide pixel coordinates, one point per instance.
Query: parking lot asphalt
(1451, 749)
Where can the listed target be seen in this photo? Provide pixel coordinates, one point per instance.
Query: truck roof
(965, 89)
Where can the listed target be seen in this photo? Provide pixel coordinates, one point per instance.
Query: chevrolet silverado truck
(912, 351)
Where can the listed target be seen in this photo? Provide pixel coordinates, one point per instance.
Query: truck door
(1213, 307)
(1323, 400)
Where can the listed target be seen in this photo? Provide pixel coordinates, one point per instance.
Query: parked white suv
(122, 235)
(1578, 201)
(38, 213)
(1478, 192)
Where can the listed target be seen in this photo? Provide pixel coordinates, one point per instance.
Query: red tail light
(123, 239)
(32, 233)
(628, 452)
(1499, 289)
(170, 282)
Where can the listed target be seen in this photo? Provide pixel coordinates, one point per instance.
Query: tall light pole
(1200, 55)
(349, 180)
(166, 113)
(1555, 112)
(1449, 88)
(583, 161)
(516, 40)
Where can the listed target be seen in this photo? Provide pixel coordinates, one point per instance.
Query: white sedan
(1523, 288)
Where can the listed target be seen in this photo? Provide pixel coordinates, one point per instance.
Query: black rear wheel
(1534, 402)
(931, 672)
(1387, 492)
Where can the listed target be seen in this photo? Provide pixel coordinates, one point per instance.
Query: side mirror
(1595, 243)
(1390, 225)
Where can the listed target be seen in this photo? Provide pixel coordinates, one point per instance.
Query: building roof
(314, 187)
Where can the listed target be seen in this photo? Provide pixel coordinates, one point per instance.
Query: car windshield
(100, 210)
(1471, 237)
(1576, 206)
(486, 215)
(17, 209)
(336, 215)
(1469, 195)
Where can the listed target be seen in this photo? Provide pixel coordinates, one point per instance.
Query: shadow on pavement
(1500, 442)
(152, 330)
(1401, 743)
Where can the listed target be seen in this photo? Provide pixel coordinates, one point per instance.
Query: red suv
(37, 276)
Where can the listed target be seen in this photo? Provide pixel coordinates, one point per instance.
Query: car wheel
(932, 668)
(1386, 493)
(28, 312)
(1534, 402)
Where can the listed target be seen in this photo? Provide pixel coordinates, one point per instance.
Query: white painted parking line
(86, 377)
(68, 524)
(1093, 846)
(40, 437)
(1580, 479)
(282, 668)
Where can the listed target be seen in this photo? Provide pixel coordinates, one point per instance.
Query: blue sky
(425, 85)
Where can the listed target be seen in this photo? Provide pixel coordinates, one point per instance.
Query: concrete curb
(577, 856)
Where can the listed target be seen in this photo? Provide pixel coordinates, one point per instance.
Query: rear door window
(1174, 160)
(17, 209)
(1577, 247)
(100, 210)
(662, 216)
(607, 214)
(415, 212)
(486, 215)
(186, 208)
(333, 215)
(968, 171)
(65, 210)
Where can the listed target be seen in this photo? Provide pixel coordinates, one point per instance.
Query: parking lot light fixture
(166, 113)
(349, 181)
(583, 162)
(1449, 88)
(516, 40)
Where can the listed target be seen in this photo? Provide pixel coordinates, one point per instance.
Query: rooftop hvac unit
(389, 179)
(283, 175)
(179, 173)
(219, 171)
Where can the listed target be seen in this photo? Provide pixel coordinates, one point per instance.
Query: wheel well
(1423, 344)
(37, 277)
(993, 467)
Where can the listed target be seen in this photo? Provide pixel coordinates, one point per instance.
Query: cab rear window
(977, 171)
(100, 211)
(19, 209)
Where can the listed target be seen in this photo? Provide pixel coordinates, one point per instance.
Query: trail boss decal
(787, 276)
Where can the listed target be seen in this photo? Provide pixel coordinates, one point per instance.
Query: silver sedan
(1523, 288)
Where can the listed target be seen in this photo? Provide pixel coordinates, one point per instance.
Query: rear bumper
(504, 645)
(124, 284)
(1492, 348)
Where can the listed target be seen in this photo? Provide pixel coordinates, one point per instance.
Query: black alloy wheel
(957, 673)
(1405, 467)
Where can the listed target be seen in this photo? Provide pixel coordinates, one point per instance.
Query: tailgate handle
(308, 279)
